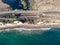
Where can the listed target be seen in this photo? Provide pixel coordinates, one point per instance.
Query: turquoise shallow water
(50, 37)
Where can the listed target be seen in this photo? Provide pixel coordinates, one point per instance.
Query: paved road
(32, 12)
(20, 11)
(7, 18)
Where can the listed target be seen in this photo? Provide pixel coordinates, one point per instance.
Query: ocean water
(49, 37)
(16, 4)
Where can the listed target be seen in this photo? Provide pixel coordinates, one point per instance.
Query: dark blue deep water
(50, 37)
(16, 4)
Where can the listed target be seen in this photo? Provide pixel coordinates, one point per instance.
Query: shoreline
(30, 26)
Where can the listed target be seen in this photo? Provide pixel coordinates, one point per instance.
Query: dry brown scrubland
(45, 4)
(3, 6)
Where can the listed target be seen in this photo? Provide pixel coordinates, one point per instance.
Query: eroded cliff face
(46, 5)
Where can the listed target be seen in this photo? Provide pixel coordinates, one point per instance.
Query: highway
(31, 12)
